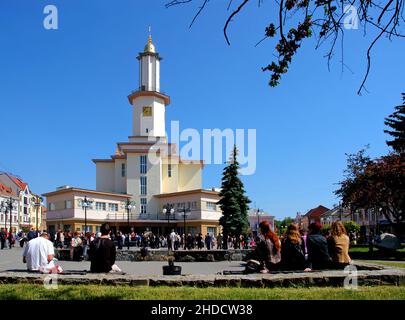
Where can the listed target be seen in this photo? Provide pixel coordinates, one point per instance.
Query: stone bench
(367, 275)
(183, 255)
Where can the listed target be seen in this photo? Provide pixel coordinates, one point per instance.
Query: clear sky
(63, 94)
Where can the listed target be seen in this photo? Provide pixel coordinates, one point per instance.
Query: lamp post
(37, 202)
(86, 203)
(3, 209)
(129, 205)
(168, 210)
(258, 213)
(340, 211)
(10, 209)
(184, 212)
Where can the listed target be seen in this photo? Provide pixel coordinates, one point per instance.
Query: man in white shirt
(173, 238)
(38, 252)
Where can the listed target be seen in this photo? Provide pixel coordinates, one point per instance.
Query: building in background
(370, 221)
(255, 216)
(313, 215)
(23, 213)
(146, 170)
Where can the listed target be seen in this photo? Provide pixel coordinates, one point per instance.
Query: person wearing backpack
(292, 253)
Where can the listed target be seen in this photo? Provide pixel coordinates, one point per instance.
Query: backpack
(252, 266)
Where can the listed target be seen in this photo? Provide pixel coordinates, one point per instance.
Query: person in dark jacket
(318, 255)
(292, 253)
(208, 241)
(102, 252)
(3, 238)
(119, 239)
(31, 234)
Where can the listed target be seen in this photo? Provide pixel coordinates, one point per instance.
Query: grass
(93, 292)
(366, 249)
(397, 264)
(360, 249)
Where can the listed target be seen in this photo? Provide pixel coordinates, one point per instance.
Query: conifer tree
(396, 122)
(234, 202)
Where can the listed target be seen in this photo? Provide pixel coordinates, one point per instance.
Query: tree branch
(230, 18)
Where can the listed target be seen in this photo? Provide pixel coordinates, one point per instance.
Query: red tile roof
(316, 212)
(21, 184)
(4, 190)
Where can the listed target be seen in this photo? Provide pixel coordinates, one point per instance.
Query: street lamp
(258, 213)
(86, 203)
(3, 209)
(7, 205)
(129, 205)
(37, 202)
(168, 210)
(184, 212)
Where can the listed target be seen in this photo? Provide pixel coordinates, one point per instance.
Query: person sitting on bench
(102, 252)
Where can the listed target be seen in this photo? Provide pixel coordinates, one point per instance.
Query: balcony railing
(135, 216)
(149, 88)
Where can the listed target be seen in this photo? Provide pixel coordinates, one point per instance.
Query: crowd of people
(39, 252)
(296, 249)
(301, 249)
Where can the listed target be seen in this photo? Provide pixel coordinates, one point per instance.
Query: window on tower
(169, 170)
(143, 162)
(143, 185)
(123, 170)
(143, 205)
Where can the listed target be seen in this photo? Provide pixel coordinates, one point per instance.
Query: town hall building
(164, 191)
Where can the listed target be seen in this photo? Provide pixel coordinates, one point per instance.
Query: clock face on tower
(147, 111)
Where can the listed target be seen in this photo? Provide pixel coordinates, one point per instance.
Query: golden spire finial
(150, 34)
(150, 47)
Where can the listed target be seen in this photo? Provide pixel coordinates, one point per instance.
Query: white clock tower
(148, 102)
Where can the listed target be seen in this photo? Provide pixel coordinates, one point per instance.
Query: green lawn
(93, 292)
(397, 264)
(366, 249)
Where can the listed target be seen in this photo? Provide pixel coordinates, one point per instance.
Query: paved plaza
(11, 259)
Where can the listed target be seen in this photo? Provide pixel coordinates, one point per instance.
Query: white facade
(152, 125)
(164, 172)
(147, 170)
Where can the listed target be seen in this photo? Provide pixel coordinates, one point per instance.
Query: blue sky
(63, 94)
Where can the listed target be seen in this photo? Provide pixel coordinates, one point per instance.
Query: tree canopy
(375, 184)
(233, 202)
(396, 123)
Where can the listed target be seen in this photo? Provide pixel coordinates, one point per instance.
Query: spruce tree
(234, 202)
(396, 122)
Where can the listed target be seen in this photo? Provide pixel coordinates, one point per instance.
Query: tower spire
(150, 48)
